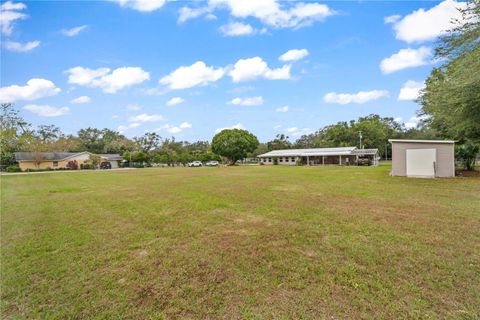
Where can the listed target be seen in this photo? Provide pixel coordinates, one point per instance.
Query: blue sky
(187, 69)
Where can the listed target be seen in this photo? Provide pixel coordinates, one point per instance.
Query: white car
(195, 164)
(212, 163)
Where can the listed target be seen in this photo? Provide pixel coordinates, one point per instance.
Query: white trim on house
(309, 152)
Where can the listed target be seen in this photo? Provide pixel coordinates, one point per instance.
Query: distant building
(321, 156)
(423, 158)
(56, 160)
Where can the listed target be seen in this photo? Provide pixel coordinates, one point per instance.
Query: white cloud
(272, 14)
(142, 5)
(406, 58)
(392, 19)
(9, 13)
(46, 111)
(254, 68)
(185, 125)
(359, 97)
(9, 5)
(154, 91)
(413, 122)
(81, 100)
(250, 101)
(174, 101)
(410, 90)
(34, 89)
(146, 118)
(175, 129)
(235, 126)
(134, 107)
(110, 82)
(187, 13)
(84, 76)
(235, 29)
(124, 128)
(282, 109)
(425, 25)
(21, 47)
(74, 31)
(190, 76)
(294, 54)
(294, 131)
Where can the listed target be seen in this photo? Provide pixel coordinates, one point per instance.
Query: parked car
(105, 165)
(195, 164)
(212, 163)
(364, 162)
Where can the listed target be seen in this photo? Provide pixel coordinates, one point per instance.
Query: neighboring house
(56, 160)
(423, 158)
(320, 156)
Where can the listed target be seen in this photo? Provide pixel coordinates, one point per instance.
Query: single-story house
(423, 158)
(321, 156)
(56, 160)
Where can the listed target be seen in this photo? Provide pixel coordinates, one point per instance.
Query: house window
(293, 159)
(269, 159)
(55, 164)
(281, 159)
(286, 159)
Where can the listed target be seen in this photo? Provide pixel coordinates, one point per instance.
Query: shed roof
(309, 152)
(420, 141)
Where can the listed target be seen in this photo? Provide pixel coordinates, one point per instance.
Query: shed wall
(445, 164)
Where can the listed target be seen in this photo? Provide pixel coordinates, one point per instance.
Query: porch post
(323, 160)
(308, 161)
(340, 157)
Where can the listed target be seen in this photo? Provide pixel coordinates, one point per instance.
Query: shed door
(421, 162)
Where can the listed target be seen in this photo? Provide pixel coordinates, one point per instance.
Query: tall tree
(451, 97)
(280, 142)
(234, 144)
(15, 133)
(91, 139)
(148, 142)
(48, 133)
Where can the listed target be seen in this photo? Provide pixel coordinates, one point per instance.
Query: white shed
(423, 158)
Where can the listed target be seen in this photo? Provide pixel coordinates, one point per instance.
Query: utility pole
(360, 136)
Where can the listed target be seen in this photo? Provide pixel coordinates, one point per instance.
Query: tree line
(18, 135)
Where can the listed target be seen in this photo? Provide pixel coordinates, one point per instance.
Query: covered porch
(337, 160)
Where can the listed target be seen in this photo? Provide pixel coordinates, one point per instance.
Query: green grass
(252, 242)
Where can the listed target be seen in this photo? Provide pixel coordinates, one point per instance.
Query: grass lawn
(252, 242)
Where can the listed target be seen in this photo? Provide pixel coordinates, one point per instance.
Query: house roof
(309, 152)
(58, 156)
(421, 141)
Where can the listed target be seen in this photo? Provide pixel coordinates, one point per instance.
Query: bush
(86, 166)
(466, 154)
(39, 170)
(72, 165)
(13, 169)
